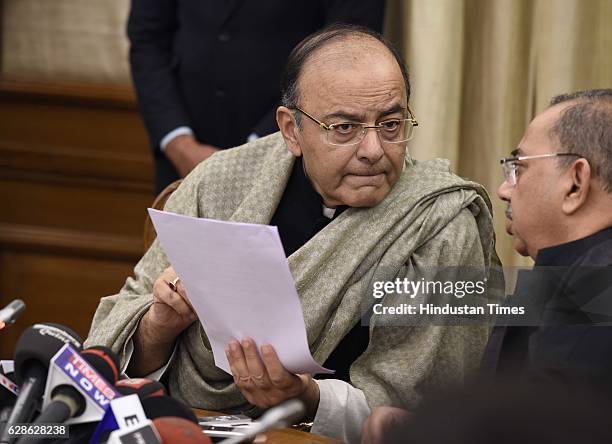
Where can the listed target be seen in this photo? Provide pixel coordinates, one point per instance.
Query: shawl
(430, 218)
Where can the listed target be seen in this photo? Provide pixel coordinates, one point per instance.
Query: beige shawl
(430, 218)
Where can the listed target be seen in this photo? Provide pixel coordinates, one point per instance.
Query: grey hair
(585, 128)
(304, 50)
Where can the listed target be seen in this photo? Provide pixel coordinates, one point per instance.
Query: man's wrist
(177, 146)
(310, 398)
(151, 350)
(155, 333)
(179, 131)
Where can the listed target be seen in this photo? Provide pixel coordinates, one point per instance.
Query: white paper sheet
(238, 280)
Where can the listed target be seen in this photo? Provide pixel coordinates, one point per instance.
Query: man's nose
(504, 192)
(370, 149)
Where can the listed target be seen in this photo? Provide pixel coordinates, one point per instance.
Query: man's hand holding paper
(264, 381)
(170, 314)
(239, 284)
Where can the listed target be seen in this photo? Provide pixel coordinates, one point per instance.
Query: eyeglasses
(351, 133)
(509, 164)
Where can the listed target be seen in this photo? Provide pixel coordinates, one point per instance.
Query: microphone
(116, 414)
(104, 360)
(159, 406)
(8, 394)
(144, 388)
(125, 415)
(33, 352)
(280, 416)
(67, 401)
(179, 431)
(11, 312)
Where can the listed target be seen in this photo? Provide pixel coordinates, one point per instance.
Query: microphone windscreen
(104, 360)
(39, 343)
(12, 311)
(144, 388)
(179, 431)
(159, 406)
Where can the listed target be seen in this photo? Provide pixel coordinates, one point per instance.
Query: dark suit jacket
(215, 65)
(574, 338)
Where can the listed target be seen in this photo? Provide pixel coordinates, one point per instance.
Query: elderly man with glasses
(558, 190)
(558, 187)
(352, 208)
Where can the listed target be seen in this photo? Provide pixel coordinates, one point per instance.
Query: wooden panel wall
(75, 181)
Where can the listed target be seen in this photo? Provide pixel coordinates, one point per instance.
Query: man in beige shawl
(390, 217)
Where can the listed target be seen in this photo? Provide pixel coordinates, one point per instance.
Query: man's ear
(288, 128)
(577, 186)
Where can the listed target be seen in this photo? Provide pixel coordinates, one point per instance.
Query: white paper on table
(238, 281)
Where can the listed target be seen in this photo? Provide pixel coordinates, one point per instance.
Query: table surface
(282, 436)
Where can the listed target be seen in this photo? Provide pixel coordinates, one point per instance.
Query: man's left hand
(264, 381)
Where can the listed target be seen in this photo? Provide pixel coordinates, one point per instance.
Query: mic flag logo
(94, 385)
(68, 367)
(9, 385)
(123, 413)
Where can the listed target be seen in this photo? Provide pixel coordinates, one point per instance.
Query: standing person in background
(207, 73)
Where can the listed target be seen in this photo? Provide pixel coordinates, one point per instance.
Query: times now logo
(68, 368)
(89, 379)
(85, 376)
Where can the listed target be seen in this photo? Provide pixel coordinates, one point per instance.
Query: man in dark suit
(207, 72)
(558, 189)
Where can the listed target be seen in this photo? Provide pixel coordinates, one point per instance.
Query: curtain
(65, 41)
(482, 69)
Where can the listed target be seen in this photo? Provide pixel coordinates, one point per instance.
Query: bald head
(339, 47)
(359, 67)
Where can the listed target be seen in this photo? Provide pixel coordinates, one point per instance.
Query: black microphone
(159, 406)
(104, 360)
(35, 348)
(11, 312)
(67, 401)
(153, 407)
(141, 387)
